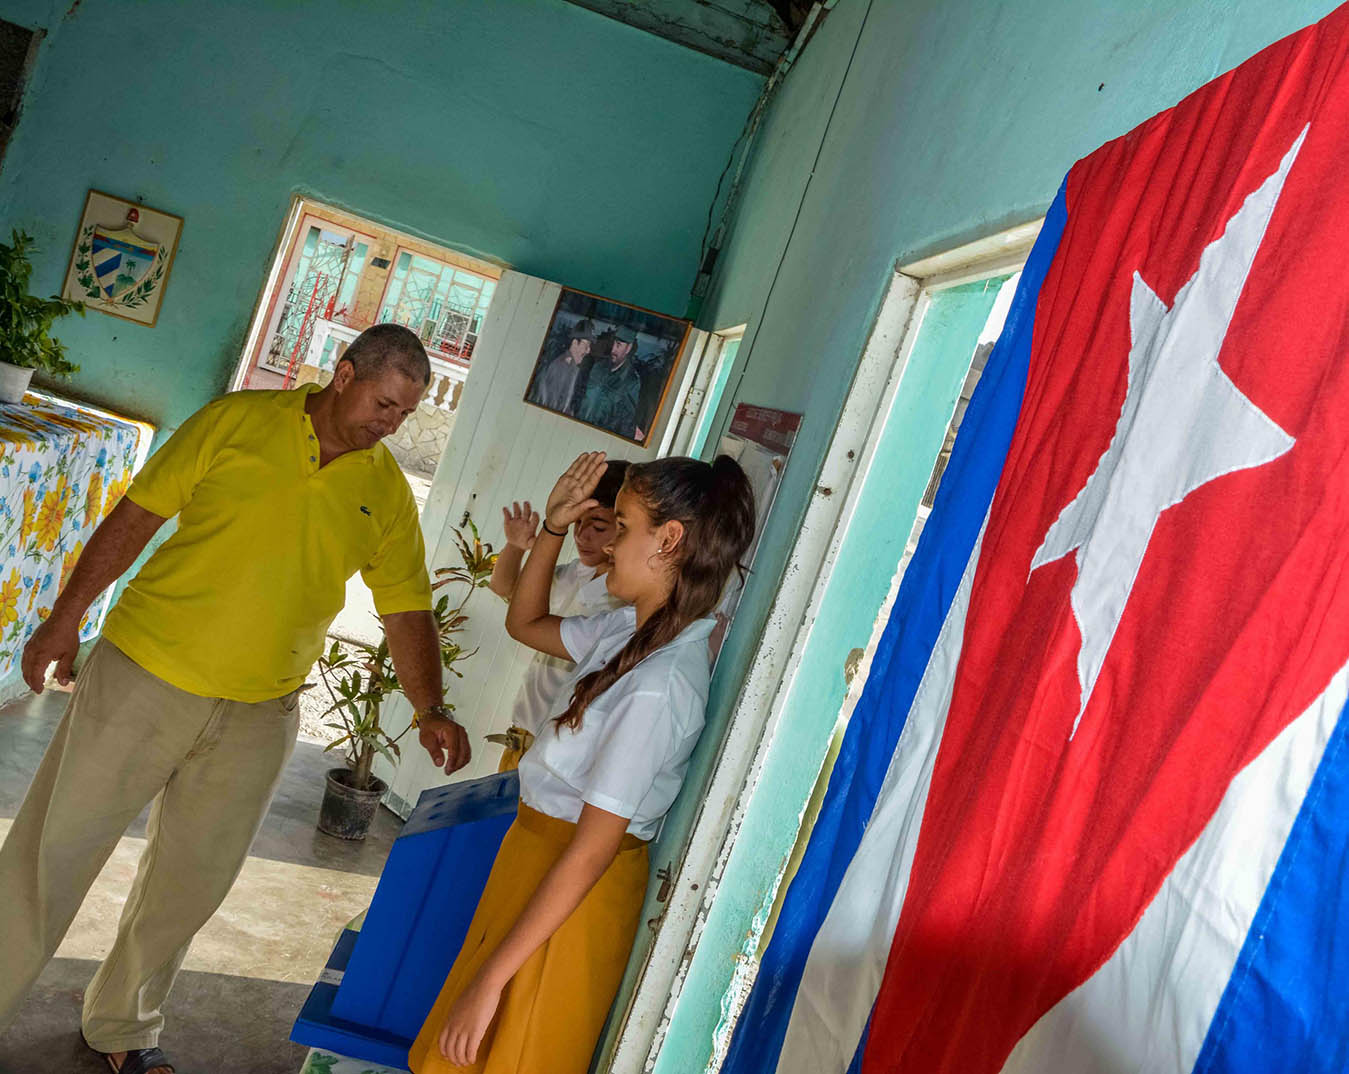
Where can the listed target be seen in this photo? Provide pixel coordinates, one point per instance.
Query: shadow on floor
(214, 1024)
(288, 834)
(251, 967)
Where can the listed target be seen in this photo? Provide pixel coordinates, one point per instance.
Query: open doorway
(702, 391)
(334, 275)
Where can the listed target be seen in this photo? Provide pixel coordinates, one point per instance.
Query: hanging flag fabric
(1092, 810)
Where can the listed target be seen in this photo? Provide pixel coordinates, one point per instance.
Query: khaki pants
(127, 737)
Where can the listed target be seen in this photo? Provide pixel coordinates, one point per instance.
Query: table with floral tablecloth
(62, 468)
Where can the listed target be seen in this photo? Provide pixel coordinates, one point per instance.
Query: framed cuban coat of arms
(122, 257)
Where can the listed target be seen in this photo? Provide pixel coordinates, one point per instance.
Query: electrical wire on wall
(751, 128)
(742, 145)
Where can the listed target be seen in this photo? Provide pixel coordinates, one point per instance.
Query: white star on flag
(1183, 424)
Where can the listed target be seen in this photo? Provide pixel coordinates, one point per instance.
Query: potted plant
(359, 678)
(26, 344)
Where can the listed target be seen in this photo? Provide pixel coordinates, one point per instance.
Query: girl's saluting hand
(570, 498)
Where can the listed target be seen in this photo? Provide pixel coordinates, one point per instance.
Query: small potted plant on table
(359, 678)
(26, 344)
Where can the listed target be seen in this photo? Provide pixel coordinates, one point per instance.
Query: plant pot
(347, 812)
(14, 381)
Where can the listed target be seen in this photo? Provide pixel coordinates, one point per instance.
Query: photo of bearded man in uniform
(607, 364)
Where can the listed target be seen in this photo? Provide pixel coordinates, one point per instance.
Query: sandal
(137, 1061)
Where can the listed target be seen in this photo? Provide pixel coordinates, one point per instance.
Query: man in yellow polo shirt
(190, 698)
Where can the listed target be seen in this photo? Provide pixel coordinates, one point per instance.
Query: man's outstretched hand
(446, 742)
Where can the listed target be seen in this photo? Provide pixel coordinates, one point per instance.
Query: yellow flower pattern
(50, 518)
(29, 513)
(10, 592)
(116, 490)
(62, 468)
(93, 498)
(68, 564)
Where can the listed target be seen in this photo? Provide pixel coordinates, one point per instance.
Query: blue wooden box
(427, 893)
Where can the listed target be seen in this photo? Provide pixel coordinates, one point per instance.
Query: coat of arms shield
(122, 256)
(120, 259)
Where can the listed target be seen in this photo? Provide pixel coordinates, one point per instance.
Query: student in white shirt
(579, 588)
(544, 955)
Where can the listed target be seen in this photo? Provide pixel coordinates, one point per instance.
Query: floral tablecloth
(62, 468)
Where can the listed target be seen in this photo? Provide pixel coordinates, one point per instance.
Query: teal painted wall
(531, 132)
(936, 122)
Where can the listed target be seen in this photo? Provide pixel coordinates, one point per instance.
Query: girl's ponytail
(715, 503)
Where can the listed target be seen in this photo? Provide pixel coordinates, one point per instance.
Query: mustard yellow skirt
(553, 1011)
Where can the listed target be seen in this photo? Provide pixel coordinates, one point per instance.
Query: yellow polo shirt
(236, 604)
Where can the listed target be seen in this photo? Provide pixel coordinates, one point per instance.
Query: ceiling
(748, 33)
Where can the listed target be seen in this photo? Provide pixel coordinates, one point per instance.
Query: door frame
(281, 263)
(787, 632)
(266, 304)
(309, 217)
(694, 405)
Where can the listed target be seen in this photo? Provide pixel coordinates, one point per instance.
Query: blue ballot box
(380, 983)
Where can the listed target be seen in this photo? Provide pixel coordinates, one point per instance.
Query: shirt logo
(365, 510)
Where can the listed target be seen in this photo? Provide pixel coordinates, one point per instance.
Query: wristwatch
(442, 710)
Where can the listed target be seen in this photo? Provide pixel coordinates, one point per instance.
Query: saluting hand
(571, 498)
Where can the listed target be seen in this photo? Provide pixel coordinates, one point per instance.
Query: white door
(500, 450)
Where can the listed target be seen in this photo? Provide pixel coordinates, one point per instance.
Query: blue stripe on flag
(1286, 1006)
(925, 595)
(855, 1067)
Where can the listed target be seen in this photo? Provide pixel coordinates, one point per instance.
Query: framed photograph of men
(607, 364)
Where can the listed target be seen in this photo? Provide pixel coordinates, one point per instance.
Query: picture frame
(607, 364)
(121, 258)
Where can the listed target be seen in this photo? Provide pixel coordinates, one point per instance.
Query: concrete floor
(250, 968)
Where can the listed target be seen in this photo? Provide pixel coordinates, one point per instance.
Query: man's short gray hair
(383, 347)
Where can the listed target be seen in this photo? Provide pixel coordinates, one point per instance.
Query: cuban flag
(1091, 813)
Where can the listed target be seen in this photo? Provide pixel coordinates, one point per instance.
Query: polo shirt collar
(294, 399)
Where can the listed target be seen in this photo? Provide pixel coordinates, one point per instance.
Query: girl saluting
(546, 950)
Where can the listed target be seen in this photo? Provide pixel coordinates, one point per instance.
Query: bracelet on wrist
(433, 711)
(549, 529)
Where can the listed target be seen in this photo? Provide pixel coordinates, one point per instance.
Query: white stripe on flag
(1150, 1005)
(847, 959)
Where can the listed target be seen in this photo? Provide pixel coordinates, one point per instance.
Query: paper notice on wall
(759, 439)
